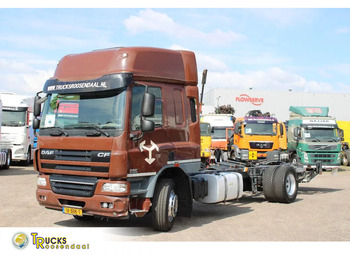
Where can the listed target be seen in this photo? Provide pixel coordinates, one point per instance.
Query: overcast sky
(275, 49)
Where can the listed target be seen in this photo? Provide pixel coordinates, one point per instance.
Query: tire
(345, 158)
(165, 205)
(83, 218)
(268, 183)
(8, 160)
(28, 161)
(294, 159)
(285, 184)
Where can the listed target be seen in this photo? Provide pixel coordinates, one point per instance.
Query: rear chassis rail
(252, 172)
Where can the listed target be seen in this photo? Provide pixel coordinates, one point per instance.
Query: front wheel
(8, 159)
(165, 205)
(345, 158)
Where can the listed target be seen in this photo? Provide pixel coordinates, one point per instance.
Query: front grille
(324, 158)
(75, 161)
(261, 145)
(73, 185)
(75, 155)
(323, 147)
(76, 168)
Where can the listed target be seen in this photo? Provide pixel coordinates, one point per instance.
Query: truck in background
(17, 132)
(344, 134)
(255, 136)
(205, 143)
(133, 146)
(5, 153)
(312, 137)
(219, 123)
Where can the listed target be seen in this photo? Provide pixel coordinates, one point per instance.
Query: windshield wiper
(57, 131)
(100, 130)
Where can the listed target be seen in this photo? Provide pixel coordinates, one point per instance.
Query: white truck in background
(5, 154)
(16, 127)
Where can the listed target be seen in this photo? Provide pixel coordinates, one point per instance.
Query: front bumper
(89, 205)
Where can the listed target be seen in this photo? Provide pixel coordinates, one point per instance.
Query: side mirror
(37, 106)
(212, 130)
(148, 105)
(147, 125)
(341, 134)
(296, 132)
(36, 123)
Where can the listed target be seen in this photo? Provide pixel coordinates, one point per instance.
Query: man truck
(256, 135)
(131, 146)
(313, 136)
(17, 132)
(5, 152)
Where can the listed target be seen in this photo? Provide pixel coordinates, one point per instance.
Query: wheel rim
(290, 184)
(173, 205)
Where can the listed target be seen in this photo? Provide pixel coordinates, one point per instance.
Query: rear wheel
(165, 205)
(286, 185)
(280, 184)
(268, 183)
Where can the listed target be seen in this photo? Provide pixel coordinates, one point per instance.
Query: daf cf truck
(130, 142)
(16, 130)
(313, 136)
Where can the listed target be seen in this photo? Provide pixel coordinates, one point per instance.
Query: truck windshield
(321, 134)
(205, 129)
(259, 129)
(84, 111)
(220, 132)
(13, 118)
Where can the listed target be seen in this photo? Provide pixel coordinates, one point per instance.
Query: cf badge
(153, 146)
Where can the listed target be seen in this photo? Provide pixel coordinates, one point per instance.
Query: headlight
(19, 151)
(41, 181)
(115, 187)
(306, 158)
(245, 154)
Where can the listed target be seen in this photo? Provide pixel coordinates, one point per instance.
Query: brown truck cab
(117, 127)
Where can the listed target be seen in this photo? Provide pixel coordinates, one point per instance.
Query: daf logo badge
(47, 152)
(150, 159)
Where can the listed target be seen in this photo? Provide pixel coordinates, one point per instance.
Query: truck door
(282, 136)
(146, 151)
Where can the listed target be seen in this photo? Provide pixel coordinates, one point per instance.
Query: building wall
(278, 102)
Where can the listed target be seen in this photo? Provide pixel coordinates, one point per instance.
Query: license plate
(253, 155)
(72, 211)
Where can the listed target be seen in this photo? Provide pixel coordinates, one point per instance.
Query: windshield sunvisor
(102, 84)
